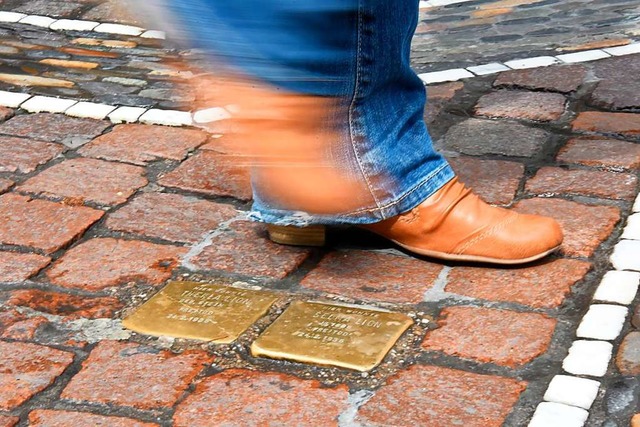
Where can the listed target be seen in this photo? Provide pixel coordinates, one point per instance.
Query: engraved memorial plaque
(326, 334)
(202, 311)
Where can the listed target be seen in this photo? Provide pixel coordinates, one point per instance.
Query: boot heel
(297, 236)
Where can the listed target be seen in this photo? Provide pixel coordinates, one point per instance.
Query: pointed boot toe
(455, 224)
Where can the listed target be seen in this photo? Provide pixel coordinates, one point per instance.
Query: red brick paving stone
(538, 106)
(18, 266)
(245, 249)
(5, 184)
(6, 421)
(141, 144)
(444, 91)
(57, 9)
(488, 335)
(624, 124)
(628, 357)
(75, 51)
(105, 262)
(42, 224)
(618, 86)
(25, 155)
(170, 217)
(252, 399)
(540, 286)
(49, 418)
(25, 329)
(10, 317)
(612, 185)
(584, 226)
(69, 306)
(5, 113)
(16, 325)
(389, 278)
(601, 152)
(107, 183)
(559, 79)
(26, 369)
(433, 110)
(129, 374)
(213, 174)
(111, 11)
(495, 181)
(436, 396)
(70, 131)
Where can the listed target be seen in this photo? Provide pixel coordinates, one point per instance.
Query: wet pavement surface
(95, 218)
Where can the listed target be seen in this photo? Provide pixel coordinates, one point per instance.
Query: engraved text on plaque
(203, 311)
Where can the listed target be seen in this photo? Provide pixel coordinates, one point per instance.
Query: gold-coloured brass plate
(345, 336)
(201, 311)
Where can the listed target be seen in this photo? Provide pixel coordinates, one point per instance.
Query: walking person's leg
(334, 118)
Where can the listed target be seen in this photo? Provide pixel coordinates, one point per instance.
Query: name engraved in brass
(325, 334)
(201, 311)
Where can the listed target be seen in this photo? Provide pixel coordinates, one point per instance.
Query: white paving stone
(12, 99)
(636, 205)
(154, 34)
(603, 322)
(623, 50)
(11, 16)
(74, 25)
(632, 229)
(535, 62)
(574, 391)
(209, 115)
(584, 56)
(550, 414)
(126, 114)
(47, 104)
(588, 358)
(434, 3)
(618, 286)
(494, 67)
(626, 255)
(38, 21)
(445, 76)
(128, 30)
(166, 117)
(90, 110)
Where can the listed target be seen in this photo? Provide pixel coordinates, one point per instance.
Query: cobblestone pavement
(477, 32)
(96, 217)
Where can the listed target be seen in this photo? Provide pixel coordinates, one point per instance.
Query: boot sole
(315, 236)
(475, 258)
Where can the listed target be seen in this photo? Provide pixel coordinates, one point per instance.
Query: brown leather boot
(455, 224)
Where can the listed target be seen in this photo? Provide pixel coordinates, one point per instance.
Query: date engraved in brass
(325, 334)
(201, 311)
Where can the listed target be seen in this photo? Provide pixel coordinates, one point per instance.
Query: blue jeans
(356, 51)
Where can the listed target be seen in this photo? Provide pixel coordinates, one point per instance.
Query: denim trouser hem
(403, 203)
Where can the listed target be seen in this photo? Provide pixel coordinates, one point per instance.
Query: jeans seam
(352, 106)
(404, 196)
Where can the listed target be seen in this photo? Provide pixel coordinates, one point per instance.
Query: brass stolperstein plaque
(345, 336)
(201, 311)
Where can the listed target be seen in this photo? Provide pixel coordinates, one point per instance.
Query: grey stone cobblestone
(456, 35)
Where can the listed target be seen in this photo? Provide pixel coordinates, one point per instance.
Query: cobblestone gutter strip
(456, 74)
(569, 397)
(79, 25)
(157, 116)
